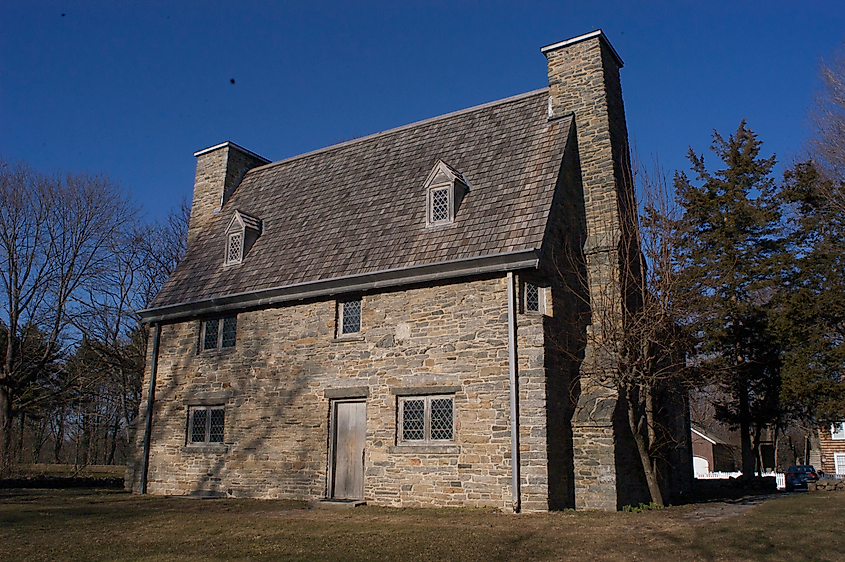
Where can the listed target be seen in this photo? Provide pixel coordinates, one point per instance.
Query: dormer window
(241, 234)
(445, 189)
(440, 205)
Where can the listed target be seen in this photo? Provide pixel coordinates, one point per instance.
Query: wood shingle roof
(360, 207)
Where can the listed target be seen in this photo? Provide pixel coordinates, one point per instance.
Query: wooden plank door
(350, 434)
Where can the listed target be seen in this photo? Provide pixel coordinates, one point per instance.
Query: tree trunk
(18, 459)
(38, 440)
(5, 431)
(115, 432)
(59, 435)
(745, 429)
(636, 427)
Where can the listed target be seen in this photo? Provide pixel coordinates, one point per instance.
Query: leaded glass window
(426, 419)
(413, 420)
(218, 333)
(230, 328)
(215, 425)
(199, 422)
(234, 248)
(350, 312)
(441, 419)
(206, 424)
(532, 298)
(209, 340)
(440, 205)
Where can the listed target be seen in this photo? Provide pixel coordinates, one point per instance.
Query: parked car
(798, 476)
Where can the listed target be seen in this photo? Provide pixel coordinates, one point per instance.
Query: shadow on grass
(109, 525)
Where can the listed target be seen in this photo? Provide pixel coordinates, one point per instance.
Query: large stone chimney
(220, 170)
(584, 84)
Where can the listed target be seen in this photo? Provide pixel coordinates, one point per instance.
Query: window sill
(534, 313)
(348, 337)
(439, 224)
(425, 449)
(214, 448)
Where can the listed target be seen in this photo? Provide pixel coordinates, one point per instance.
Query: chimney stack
(220, 170)
(584, 82)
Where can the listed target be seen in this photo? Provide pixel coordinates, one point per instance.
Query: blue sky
(132, 89)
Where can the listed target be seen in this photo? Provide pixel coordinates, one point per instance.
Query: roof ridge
(344, 144)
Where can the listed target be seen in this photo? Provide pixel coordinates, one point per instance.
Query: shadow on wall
(249, 377)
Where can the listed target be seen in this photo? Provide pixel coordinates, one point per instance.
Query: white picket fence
(781, 477)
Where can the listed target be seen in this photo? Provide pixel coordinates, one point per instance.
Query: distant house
(832, 448)
(711, 453)
(402, 318)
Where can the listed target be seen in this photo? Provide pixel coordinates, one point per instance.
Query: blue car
(798, 476)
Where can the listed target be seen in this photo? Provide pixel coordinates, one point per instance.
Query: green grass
(108, 525)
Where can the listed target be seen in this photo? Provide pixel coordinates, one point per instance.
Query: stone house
(402, 318)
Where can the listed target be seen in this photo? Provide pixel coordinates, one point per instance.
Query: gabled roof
(243, 220)
(353, 216)
(708, 435)
(451, 173)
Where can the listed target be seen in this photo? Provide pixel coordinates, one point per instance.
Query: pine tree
(811, 305)
(728, 245)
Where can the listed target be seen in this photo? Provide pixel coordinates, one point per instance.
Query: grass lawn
(110, 525)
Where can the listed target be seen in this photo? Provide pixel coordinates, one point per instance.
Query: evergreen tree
(728, 244)
(811, 319)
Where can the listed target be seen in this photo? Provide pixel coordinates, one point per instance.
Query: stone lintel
(347, 392)
(424, 390)
(208, 398)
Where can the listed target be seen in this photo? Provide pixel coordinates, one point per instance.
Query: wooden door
(350, 434)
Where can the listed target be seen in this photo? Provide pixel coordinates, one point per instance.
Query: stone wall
(827, 485)
(274, 385)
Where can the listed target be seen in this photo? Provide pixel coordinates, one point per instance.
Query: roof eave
(508, 261)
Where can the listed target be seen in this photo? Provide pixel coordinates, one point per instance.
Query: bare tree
(114, 349)
(55, 233)
(827, 120)
(635, 349)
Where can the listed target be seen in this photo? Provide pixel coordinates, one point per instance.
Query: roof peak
(403, 127)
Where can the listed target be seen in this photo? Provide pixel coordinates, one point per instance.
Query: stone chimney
(584, 85)
(584, 82)
(220, 170)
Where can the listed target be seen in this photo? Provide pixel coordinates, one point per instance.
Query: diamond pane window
(426, 419)
(440, 205)
(215, 425)
(413, 420)
(199, 421)
(209, 340)
(206, 424)
(230, 327)
(234, 248)
(218, 333)
(441, 419)
(350, 312)
(532, 298)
